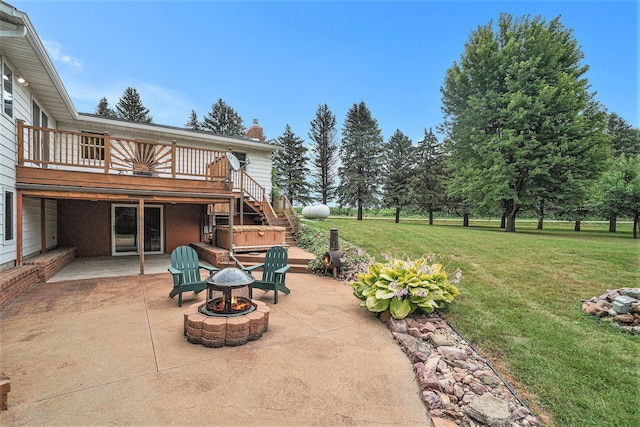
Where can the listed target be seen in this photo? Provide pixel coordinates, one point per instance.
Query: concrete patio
(89, 350)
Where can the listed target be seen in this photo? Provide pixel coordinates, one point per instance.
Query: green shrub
(402, 287)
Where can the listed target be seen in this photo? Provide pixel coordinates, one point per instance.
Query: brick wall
(38, 269)
(50, 262)
(16, 281)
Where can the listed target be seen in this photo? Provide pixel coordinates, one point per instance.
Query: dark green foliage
(428, 187)
(223, 120)
(130, 107)
(192, 121)
(290, 166)
(624, 138)
(618, 191)
(361, 156)
(399, 164)
(520, 122)
(324, 154)
(103, 109)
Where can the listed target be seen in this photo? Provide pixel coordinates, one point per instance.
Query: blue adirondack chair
(185, 269)
(274, 271)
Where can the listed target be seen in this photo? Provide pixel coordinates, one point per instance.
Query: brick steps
(38, 269)
(51, 262)
(16, 281)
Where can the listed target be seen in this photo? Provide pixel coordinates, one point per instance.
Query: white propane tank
(316, 212)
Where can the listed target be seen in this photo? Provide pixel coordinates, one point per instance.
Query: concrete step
(298, 259)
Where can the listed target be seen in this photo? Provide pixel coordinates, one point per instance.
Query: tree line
(522, 133)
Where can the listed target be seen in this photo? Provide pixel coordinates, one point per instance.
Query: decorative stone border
(218, 331)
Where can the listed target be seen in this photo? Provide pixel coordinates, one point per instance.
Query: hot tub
(250, 237)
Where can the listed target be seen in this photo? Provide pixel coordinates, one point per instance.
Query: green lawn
(520, 306)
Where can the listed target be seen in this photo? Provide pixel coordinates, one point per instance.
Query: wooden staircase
(289, 235)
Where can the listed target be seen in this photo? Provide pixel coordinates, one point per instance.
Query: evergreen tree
(192, 121)
(398, 164)
(223, 120)
(130, 107)
(624, 138)
(324, 154)
(103, 109)
(361, 160)
(428, 187)
(520, 120)
(291, 167)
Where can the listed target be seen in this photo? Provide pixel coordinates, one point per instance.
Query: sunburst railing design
(141, 157)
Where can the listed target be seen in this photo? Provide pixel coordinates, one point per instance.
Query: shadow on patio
(112, 351)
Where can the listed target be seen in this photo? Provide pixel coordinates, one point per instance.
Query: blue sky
(277, 61)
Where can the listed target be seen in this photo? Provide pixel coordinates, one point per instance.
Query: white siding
(31, 232)
(259, 168)
(8, 158)
(22, 109)
(51, 222)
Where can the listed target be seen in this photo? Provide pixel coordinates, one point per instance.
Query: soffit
(29, 60)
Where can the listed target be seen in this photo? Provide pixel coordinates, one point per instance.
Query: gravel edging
(458, 384)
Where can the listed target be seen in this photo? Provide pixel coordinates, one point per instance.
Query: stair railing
(290, 214)
(269, 213)
(255, 192)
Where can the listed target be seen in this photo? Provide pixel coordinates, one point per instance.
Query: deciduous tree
(618, 191)
(520, 118)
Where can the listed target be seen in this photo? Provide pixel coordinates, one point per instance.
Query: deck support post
(141, 233)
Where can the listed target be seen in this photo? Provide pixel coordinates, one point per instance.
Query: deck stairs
(256, 208)
(289, 235)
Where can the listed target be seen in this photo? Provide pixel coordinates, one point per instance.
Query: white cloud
(55, 51)
(167, 106)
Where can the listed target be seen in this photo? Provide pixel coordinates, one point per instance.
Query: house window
(93, 146)
(8, 215)
(7, 90)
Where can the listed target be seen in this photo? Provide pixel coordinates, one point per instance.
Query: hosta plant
(403, 286)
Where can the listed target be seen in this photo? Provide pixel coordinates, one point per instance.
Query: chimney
(255, 132)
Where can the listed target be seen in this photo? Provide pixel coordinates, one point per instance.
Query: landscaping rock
(439, 339)
(412, 345)
(452, 353)
(455, 377)
(621, 307)
(489, 410)
(431, 399)
(427, 378)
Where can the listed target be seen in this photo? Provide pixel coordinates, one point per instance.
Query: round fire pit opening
(228, 293)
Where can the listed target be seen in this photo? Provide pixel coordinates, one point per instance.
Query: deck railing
(45, 147)
(82, 151)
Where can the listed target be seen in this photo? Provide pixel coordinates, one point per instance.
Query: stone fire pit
(219, 331)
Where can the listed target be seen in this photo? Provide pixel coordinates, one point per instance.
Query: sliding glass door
(125, 220)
